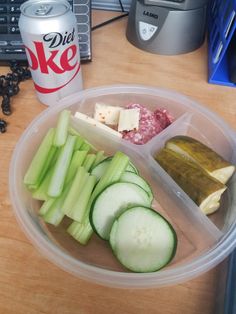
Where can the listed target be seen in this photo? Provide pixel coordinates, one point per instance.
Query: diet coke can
(49, 33)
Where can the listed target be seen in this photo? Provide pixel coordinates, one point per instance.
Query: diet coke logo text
(67, 60)
(56, 39)
(56, 53)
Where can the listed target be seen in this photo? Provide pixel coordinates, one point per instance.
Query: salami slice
(163, 117)
(150, 124)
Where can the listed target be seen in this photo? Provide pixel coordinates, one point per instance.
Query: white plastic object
(203, 241)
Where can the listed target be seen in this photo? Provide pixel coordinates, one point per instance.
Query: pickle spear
(202, 188)
(204, 156)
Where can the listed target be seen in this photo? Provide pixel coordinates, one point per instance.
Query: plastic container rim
(165, 277)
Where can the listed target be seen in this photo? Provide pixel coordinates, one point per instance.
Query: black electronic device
(11, 47)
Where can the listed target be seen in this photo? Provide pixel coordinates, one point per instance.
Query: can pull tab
(43, 10)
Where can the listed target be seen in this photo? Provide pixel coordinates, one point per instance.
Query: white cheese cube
(129, 119)
(94, 123)
(107, 114)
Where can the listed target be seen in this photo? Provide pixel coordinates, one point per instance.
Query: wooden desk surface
(29, 283)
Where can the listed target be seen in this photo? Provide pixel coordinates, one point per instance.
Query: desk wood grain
(30, 284)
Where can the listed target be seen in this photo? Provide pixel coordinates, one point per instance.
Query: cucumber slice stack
(142, 240)
(111, 202)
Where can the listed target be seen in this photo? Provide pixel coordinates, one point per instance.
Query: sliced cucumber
(110, 203)
(132, 177)
(131, 167)
(143, 240)
(100, 168)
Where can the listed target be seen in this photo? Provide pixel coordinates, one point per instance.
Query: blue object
(221, 29)
(230, 291)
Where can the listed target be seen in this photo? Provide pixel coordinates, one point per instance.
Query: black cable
(9, 86)
(3, 126)
(121, 5)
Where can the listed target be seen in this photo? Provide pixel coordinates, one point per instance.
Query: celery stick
(46, 205)
(88, 162)
(62, 164)
(37, 166)
(85, 234)
(82, 233)
(77, 211)
(72, 131)
(76, 161)
(75, 229)
(79, 142)
(50, 159)
(53, 214)
(55, 156)
(99, 157)
(113, 172)
(85, 146)
(62, 128)
(32, 187)
(79, 139)
(41, 193)
(76, 188)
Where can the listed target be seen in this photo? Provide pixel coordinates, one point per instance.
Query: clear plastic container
(203, 241)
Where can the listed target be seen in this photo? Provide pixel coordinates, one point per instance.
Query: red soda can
(49, 33)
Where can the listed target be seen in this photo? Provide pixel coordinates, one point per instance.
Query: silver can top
(44, 8)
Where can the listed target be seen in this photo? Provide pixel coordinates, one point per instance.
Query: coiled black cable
(9, 86)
